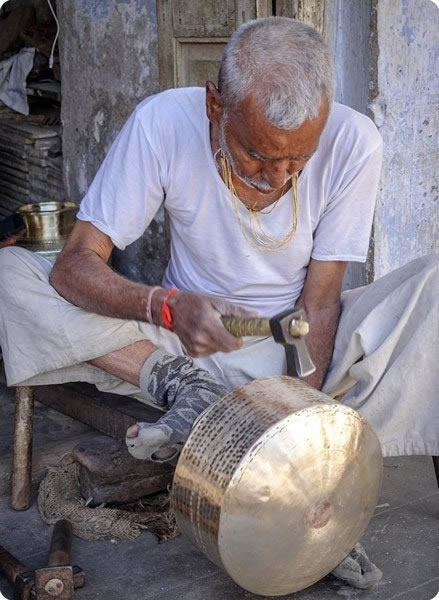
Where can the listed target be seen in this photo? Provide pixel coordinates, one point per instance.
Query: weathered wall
(347, 29)
(386, 57)
(348, 35)
(407, 114)
(109, 63)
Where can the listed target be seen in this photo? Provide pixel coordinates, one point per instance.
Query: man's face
(262, 156)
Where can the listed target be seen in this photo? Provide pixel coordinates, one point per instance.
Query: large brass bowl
(276, 484)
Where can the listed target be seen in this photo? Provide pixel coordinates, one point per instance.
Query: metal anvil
(288, 328)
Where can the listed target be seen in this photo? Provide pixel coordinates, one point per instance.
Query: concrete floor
(402, 538)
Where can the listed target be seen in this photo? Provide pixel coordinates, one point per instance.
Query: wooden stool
(108, 413)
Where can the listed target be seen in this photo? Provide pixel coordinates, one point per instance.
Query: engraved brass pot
(48, 225)
(276, 483)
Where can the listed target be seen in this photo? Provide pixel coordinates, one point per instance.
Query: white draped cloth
(385, 360)
(13, 73)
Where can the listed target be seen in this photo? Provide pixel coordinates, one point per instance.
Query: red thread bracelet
(167, 319)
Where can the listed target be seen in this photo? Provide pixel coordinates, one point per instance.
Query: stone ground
(402, 538)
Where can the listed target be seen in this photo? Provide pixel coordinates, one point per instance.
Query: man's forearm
(86, 281)
(320, 340)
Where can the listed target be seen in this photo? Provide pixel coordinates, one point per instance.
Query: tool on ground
(276, 483)
(55, 581)
(288, 328)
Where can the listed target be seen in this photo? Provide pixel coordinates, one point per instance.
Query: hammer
(288, 328)
(55, 581)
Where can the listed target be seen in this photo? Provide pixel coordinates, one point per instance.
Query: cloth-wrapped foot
(357, 570)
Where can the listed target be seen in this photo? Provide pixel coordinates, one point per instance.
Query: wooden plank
(46, 89)
(14, 140)
(25, 143)
(28, 131)
(27, 151)
(13, 162)
(32, 180)
(14, 195)
(12, 150)
(12, 174)
(15, 198)
(109, 413)
(12, 186)
(5, 208)
(4, 211)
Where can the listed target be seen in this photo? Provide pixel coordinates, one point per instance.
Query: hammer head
(45, 583)
(290, 328)
(23, 586)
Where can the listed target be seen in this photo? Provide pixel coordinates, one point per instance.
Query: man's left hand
(197, 322)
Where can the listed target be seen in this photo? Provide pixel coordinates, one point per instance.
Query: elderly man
(270, 189)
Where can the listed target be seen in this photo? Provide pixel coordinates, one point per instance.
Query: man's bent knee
(21, 262)
(8, 259)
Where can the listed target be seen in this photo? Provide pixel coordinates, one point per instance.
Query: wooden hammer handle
(251, 327)
(10, 566)
(61, 545)
(261, 327)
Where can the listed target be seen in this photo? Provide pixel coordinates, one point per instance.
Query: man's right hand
(197, 322)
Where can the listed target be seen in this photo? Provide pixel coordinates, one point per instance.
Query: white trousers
(385, 360)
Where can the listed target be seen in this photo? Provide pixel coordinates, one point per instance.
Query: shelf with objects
(30, 106)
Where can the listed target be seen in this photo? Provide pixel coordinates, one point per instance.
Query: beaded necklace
(261, 239)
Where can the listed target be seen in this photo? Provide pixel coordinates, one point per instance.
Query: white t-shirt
(163, 154)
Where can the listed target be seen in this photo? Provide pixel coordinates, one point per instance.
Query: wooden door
(192, 36)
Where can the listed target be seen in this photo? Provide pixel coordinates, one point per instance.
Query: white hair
(285, 63)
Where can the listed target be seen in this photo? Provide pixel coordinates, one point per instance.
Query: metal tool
(55, 581)
(276, 483)
(288, 328)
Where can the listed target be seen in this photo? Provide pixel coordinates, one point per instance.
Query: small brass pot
(48, 225)
(48, 222)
